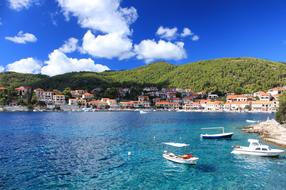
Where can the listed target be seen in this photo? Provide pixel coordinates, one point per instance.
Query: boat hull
(191, 161)
(251, 121)
(273, 153)
(217, 136)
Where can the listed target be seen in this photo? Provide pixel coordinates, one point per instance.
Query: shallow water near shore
(90, 151)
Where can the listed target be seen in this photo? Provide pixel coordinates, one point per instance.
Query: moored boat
(222, 135)
(251, 121)
(142, 112)
(257, 149)
(181, 159)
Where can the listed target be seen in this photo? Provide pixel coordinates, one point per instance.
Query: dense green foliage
(230, 75)
(281, 113)
(13, 80)
(238, 75)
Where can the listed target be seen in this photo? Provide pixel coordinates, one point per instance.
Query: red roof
(234, 96)
(23, 87)
(166, 103)
(129, 102)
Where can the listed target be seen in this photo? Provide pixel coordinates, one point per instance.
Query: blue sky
(57, 36)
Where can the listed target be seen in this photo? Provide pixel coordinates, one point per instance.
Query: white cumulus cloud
(150, 50)
(20, 4)
(195, 37)
(59, 63)
(109, 19)
(69, 46)
(186, 32)
(22, 38)
(103, 15)
(28, 65)
(107, 46)
(167, 33)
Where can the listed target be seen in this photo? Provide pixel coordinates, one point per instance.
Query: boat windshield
(254, 144)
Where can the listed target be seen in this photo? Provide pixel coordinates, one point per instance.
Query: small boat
(222, 135)
(252, 121)
(257, 149)
(142, 112)
(181, 159)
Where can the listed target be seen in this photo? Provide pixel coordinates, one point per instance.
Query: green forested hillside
(230, 75)
(12, 79)
(220, 75)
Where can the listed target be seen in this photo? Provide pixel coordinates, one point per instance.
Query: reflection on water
(90, 151)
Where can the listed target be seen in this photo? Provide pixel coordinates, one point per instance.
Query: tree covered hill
(12, 79)
(220, 75)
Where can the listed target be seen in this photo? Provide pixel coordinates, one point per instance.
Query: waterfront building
(77, 93)
(212, 96)
(24, 90)
(44, 96)
(129, 104)
(98, 104)
(238, 98)
(144, 101)
(59, 99)
(187, 100)
(175, 100)
(167, 105)
(277, 90)
(87, 96)
(237, 106)
(211, 105)
(192, 106)
(261, 105)
(73, 102)
(262, 95)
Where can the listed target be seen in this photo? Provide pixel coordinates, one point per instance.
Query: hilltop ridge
(217, 75)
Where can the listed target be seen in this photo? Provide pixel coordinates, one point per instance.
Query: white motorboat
(222, 135)
(257, 149)
(252, 121)
(182, 159)
(142, 112)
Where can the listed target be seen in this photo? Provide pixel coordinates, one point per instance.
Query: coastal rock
(270, 131)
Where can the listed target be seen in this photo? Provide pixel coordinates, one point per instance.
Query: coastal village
(151, 98)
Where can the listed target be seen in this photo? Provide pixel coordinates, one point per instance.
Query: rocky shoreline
(270, 131)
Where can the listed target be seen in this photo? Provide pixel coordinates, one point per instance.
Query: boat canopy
(176, 144)
(210, 128)
(253, 141)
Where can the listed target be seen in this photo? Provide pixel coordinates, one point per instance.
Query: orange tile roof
(263, 93)
(23, 87)
(261, 102)
(238, 103)
(234, 96)
(216, 102)
(204, 101)
(129, 102)
(165, 103)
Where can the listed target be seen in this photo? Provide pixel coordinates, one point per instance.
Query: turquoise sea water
(90, 151)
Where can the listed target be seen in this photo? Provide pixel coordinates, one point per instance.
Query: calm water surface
(89, 151)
